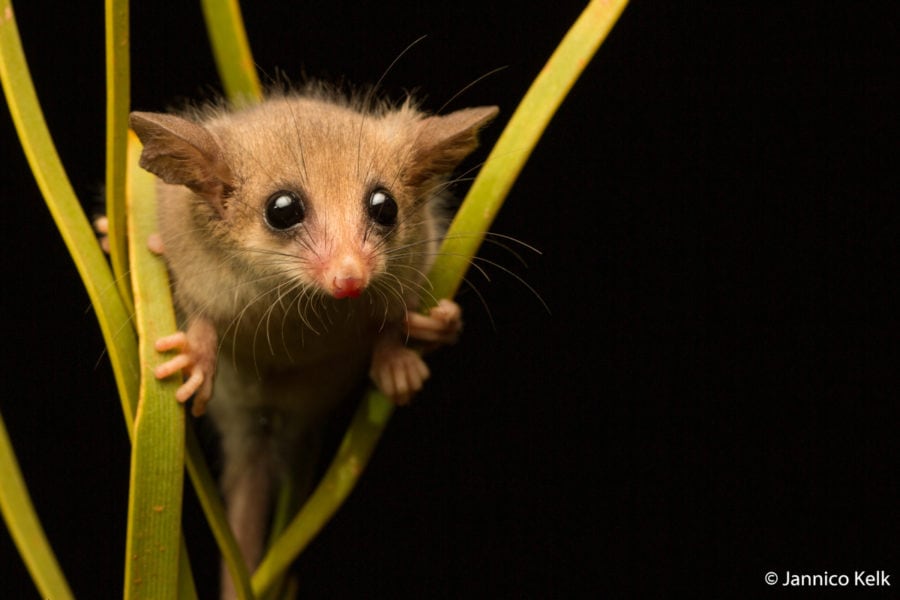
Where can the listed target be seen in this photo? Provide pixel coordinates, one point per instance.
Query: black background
(714, 393)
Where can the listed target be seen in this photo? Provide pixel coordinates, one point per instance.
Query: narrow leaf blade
(157, 457)
(521, 135)
(112, 314)
(231, 50)
(118, 98)
(24, 526)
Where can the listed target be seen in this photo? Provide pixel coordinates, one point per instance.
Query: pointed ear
(183, 153)
(443, 141)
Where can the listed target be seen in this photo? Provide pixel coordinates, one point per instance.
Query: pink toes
(441, 325)
(196, 360)
(398, 372)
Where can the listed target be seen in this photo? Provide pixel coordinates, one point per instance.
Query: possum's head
(317, 194)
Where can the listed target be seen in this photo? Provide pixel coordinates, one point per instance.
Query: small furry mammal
(298, 233)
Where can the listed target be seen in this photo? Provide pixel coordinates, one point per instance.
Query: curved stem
(231, 50)
(25, 528)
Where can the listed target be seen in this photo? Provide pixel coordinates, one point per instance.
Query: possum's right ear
(183, 153)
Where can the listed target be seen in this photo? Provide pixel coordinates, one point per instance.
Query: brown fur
(263, 297)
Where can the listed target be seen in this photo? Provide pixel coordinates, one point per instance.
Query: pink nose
(347, 287)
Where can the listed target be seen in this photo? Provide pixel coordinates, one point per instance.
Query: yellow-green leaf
(118, 83)
(25, 528)
(521, 135)
(157, 455)
(339, 480)
(211, 502)
(225, 26)
(112, 314)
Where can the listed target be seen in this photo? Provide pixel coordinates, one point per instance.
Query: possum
(298, 233)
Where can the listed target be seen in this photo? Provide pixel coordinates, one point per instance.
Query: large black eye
(383, 208)
(284, 210)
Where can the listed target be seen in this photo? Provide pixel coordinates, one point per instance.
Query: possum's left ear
(443, 141)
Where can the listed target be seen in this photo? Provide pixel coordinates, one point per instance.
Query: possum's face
(341, 249)
(326, 197)
(319, 197)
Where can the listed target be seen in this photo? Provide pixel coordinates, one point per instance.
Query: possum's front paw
(398, 371)
(101, 228)
(196, 360)
(441, 326)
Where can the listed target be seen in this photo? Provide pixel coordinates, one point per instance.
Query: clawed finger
(176, 365)
(189, 387)
(399, 374)
(155, 243)
(175, 341)
(447, 311)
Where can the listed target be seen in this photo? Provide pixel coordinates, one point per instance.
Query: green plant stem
(187, 589)
(521, 135)
(211, 503)
(157, 455)
(25, 528)
(339, 480)
(112, 314)
(118, 82)
(234, 61)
